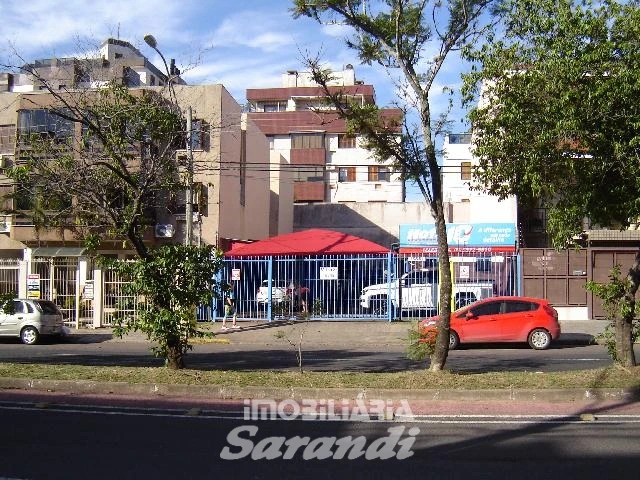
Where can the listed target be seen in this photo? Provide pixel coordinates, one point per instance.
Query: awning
(57, 252)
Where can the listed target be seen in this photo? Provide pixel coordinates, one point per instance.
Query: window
(346, 141)
(489, 308)
(200, 137)
(45, 123)
(347, 174)
(200, 198)
(18, 307)
(379, 173)
(309, 173)
(465, 171)
(307, 140)
(459, 138)
(273, 107)
(7, 138)
(152, 81)
(519, 306)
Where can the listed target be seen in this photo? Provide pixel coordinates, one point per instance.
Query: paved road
(45, 441)
(272, 353)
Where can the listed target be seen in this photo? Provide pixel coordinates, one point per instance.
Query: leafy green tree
(170, 282)
(412, 40)
(105, 161)
(101, 164)
(558, 119)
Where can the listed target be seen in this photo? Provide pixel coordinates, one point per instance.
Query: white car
(29, 319)
(279, 291)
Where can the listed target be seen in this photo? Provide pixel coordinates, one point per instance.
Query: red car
(502, 319)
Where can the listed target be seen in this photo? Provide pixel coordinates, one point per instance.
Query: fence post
(22, 279)
(98, 306)
(214, 301)
(269, 283)
(389, 281)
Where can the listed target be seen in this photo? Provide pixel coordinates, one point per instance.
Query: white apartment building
(465, 205)
(310, 143)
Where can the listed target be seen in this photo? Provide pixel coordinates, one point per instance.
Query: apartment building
(228, 203)
(310, 143)
(463, 204)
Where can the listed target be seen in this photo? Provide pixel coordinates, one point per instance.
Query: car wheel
(539, 339)
(29, 335)
(454, 340)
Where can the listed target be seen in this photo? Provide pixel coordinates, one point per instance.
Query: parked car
(502, 319)
(279, 291)
(29, 319)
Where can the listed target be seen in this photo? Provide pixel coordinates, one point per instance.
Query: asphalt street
(263, 351)
(48, 441)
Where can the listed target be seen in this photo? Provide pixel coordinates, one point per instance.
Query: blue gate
(359, 287)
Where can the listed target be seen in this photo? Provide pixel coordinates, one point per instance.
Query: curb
(221, 392)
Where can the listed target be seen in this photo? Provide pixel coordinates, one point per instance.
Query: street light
(151, 41)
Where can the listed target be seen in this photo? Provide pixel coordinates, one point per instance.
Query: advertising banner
(460, 235)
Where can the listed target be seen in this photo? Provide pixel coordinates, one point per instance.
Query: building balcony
(308, 191)
(308, 156)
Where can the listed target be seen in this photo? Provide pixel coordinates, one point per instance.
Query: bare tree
(413, 38)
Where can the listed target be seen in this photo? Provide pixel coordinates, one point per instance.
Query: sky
(240, 44)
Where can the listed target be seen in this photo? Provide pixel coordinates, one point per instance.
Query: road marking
(521, 419)
(583, 359)
(432, 419)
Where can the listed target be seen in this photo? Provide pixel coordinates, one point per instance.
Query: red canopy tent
(308, 242)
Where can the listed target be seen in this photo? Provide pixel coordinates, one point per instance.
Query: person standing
(230, 308)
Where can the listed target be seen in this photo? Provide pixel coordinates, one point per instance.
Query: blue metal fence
(359, 287)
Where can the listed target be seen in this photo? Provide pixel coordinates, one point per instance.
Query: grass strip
(610, 377)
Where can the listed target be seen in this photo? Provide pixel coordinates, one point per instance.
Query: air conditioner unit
(164, 230)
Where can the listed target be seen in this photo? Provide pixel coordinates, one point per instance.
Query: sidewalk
(347, 333)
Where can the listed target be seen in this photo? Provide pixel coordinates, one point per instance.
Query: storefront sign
(328, 273)
(33, 286)
(87, 294)
(460, 235)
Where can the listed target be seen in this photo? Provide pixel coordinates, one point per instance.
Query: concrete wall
(251, 220)
(378, 222)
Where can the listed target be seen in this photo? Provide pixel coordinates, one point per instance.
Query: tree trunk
(175, 355)
(624, 323)
(441, 351)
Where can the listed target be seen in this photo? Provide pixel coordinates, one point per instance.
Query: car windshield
(47, 306)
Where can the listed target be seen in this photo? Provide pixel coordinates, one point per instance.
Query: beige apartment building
(231, 187)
